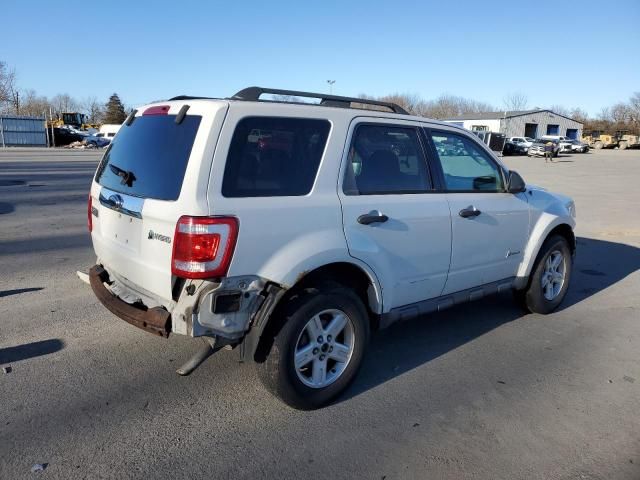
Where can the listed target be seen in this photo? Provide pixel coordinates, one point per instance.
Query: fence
(22, 131)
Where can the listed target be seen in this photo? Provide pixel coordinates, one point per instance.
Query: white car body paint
(424, 251)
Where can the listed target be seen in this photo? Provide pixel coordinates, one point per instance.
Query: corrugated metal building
(528, 123)
(22, 131)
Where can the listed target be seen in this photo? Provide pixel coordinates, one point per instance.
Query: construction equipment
(599, 140)
(76, 120)
(626, 140)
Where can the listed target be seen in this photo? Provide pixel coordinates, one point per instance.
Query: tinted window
(149, 157)
(272, 156)
(385, 159)
(466, 166)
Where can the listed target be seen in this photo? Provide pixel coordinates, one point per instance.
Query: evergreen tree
(114, 110)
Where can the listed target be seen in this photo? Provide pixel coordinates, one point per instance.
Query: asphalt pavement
(480, 391)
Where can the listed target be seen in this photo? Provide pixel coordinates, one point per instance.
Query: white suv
(294, 243)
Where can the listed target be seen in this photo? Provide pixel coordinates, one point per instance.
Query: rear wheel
(598, 145)
(622, 146)
(550, 277)
(319, 348)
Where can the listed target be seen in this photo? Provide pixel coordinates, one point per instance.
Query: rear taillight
(89, 215)
(203, 246)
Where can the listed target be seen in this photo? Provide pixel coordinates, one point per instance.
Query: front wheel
(319, 348)
(550, 277)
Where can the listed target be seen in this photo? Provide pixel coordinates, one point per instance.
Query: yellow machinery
(628, 141)
(72, 119)
(599, 140)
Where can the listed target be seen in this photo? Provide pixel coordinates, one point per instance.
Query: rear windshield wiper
(127, 176)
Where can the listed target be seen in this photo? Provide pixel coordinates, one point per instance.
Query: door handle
(469, 212)
(374, 216)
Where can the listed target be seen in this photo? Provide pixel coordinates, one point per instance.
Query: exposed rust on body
(153, 320)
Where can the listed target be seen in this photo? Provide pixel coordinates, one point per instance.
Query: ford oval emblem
(117, 201)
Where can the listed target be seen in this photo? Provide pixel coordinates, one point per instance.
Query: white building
(528, 123)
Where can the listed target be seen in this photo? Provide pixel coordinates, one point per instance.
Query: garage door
(553, 129)
(531, 130)
(572, 133)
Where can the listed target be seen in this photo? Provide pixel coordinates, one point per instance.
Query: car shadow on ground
(18, 291)
(404, 346)
(30, 350)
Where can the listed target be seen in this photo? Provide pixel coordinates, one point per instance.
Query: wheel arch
(357, 277)
(558, 226)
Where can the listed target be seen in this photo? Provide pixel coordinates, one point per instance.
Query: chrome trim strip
(121, 202)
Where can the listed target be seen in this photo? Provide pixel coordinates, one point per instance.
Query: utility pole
(17, 103)
(331, 82)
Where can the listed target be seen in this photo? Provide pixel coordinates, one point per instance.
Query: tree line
(622, 116)
(27, 102)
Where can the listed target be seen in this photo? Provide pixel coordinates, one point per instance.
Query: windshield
(149, 157)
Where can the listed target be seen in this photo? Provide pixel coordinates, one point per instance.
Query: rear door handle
(374, 216)
(469, 212)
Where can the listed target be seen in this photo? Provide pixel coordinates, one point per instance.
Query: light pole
(331, 82)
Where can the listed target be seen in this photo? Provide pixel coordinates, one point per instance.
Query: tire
(533, 298)
(598, 145)
(622, 145)
(297, 319)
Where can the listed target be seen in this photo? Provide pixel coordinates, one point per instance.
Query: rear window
(149, 157)
(273, 156)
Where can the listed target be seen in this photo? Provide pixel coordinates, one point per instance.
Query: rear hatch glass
(148, 158)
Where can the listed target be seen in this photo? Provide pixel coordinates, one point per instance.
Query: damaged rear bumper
(155, 320)
(233, 310)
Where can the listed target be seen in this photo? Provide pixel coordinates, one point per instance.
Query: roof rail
(252, 94)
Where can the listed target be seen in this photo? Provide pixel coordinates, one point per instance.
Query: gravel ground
(479, 391)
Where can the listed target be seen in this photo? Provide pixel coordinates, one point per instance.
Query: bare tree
(63, 102)
(7, 87)
(620, 113)
(560, 110)
(33, 105)
(634, 111)
(93, 108)
(579, 115)
(605, 114)
(515, 101)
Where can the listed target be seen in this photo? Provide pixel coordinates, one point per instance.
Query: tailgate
(155, 171)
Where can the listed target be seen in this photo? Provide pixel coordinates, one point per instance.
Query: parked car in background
(559, 138)
(579, 147)
(63, 136)
(291, 253)
(525, 142)
(565, 146)
(108, 130)
(538, 147)
(97, 140)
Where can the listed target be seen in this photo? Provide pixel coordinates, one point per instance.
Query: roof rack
(252, 94)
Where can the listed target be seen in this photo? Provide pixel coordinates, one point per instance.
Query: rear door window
(274, 156)
(386, 159)
(149, 157)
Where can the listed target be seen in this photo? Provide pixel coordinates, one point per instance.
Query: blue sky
(576, 54)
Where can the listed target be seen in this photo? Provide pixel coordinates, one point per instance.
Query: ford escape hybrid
(290, 230)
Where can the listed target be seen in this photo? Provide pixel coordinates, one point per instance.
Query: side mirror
(515, 183)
